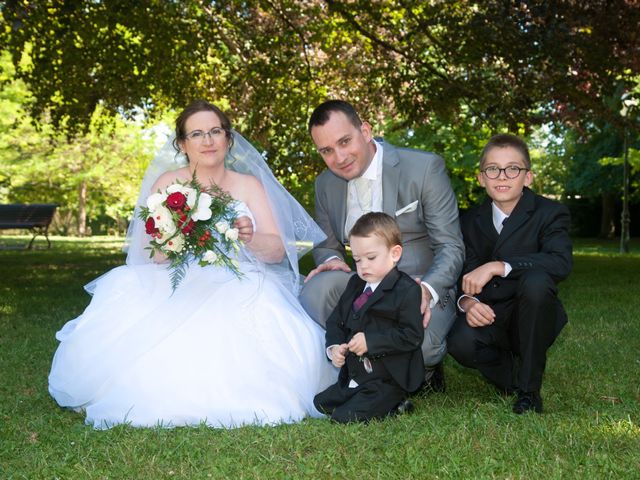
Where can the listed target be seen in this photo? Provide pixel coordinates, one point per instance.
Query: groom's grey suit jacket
(417, 182)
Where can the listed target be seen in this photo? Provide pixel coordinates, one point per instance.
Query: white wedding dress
(221, 351)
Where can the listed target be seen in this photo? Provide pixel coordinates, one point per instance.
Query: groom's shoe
(528, 401)
(434, 380)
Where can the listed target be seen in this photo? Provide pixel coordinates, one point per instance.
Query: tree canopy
(438, 74)
(270, 61)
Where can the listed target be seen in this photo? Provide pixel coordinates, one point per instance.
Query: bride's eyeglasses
(198, 135)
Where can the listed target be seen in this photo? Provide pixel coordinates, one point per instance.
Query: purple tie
(362, 299)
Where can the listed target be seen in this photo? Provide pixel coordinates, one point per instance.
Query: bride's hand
(159, 257)
(245, 229)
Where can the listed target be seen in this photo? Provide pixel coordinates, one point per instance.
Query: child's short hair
(379, 224)
(503, 140)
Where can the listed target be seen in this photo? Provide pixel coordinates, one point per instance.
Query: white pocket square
(409, 208)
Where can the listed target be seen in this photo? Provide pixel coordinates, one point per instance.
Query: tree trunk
(625, 219)
(82, 208)
(607, 220)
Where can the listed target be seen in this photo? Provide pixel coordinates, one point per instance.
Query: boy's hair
(322, 112)
(379, 224)
(503, 140)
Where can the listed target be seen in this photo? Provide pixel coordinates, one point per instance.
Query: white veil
(298, 230)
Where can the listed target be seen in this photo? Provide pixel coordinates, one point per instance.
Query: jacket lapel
(390, 178)
(338, 202)
(520, 215)
(387, 283)
(484, 221)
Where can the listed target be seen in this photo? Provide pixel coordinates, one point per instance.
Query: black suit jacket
(391, 322)
(535, 236)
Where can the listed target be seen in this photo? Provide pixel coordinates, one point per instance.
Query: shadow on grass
(591, 393)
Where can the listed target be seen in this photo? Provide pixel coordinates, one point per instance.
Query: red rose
(176, 200)
(150, 225)
(188, 228)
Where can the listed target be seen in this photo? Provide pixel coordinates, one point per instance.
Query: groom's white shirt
(373, 174)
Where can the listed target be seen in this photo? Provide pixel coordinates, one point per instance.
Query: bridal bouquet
(189, 222)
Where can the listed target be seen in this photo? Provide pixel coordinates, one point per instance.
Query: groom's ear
(366, 130)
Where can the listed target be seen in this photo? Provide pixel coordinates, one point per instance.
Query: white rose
(155, 200)
(202, 209)
(231, 234)
(164, 221)
(222, 226)
(210, 256)
(176, 244)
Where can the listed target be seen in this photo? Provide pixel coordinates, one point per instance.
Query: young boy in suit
(517, 250)
(375, 333)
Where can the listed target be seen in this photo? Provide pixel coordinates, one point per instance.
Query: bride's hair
(193, 108)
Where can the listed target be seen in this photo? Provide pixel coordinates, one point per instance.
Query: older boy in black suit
(517, 250)
(375, 332)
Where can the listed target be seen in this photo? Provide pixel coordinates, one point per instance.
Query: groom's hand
(425, 304)
(333, 264)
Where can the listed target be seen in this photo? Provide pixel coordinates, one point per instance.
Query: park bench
(35, 217)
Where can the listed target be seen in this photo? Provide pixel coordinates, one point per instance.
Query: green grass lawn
(590, 428)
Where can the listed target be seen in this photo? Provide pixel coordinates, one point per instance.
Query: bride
(221, 350)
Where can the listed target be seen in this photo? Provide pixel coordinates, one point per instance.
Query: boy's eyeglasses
(510, 172)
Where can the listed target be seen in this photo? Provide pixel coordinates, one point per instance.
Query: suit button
(494, 284)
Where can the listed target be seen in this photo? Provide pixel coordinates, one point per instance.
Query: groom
(366, 174)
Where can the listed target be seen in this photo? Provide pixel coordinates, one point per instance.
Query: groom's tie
(362, 205)
(362, 299)
(364, 192)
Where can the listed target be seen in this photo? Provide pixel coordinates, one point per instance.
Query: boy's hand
(479, 314)
(475, 280)
(338, 354)
(358, 344)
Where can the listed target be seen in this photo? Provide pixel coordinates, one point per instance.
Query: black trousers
(375, 395)
(512, 352)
